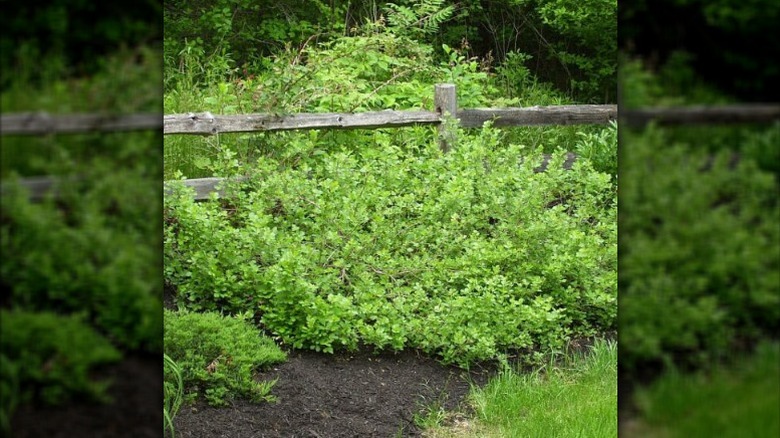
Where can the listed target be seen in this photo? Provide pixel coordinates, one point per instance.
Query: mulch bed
(322, 395)
(318, 395)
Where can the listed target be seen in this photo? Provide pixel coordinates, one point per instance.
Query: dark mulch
(136, 410)
(321, 395)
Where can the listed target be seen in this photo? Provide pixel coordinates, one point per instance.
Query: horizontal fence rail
(37, 186)
(208, 124)
(42, 123)
(702, 115)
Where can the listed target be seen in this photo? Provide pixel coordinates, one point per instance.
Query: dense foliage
(359, 73)
(699, 253)
(381, 246)
(570, 44)
(339, 240)
(216, 357)
(92, 250)
(93, 247)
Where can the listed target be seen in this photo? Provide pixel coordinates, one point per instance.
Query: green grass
(574, 397)
(742, 400)
(173, 391)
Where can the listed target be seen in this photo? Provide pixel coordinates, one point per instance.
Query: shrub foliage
(216, 356)
(462, 255)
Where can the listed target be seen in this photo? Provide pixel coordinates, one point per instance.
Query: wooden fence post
(446, 103)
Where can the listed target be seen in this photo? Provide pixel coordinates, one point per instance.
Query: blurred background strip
(699, 219)
(81, 272)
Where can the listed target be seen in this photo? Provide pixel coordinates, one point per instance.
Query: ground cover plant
(216, 357)
(473, 242)
(325, 260)
(692, 254)
(704, 238)
(47, 357)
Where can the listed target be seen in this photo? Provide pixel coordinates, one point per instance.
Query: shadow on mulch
(136, 410)
(333, 396)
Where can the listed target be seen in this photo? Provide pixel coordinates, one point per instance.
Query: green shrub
(48, 357)
(217, 356)
(369, 72)
(699, 252)
(463, 255)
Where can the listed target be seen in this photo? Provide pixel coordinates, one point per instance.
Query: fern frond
(423, 18)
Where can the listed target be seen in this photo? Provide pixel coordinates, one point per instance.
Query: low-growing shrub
(217, 356)
(462, 255)
(47, 358)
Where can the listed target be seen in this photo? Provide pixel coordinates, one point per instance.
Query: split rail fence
(446, 107)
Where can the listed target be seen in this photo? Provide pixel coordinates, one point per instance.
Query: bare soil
(322, 395)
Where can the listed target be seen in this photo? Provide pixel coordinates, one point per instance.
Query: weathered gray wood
(539, 115)
(44, 123)
(203, 186)
(692, 115)
(568, 162)
(207, 124)
(445, 101)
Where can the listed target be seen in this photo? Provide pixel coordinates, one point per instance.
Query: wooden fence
(446, 107)
(445, 103)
